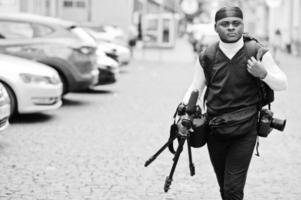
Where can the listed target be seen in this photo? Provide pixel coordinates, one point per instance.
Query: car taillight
(86, 50)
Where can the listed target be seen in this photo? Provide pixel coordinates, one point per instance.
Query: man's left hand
(255, 68)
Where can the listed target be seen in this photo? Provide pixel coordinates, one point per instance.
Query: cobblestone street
(95, 146)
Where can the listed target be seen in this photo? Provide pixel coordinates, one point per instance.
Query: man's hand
(255, 68)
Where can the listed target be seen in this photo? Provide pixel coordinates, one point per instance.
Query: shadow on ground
(97, 91)
(73, 102)
(31, 118)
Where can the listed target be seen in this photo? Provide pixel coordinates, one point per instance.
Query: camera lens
(278, 124)
(186, 123)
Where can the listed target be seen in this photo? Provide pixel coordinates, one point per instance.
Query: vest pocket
(235, 123)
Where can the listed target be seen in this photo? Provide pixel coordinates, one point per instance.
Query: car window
(15, 30)
(97, 28)
(83, 35)
(41, 30)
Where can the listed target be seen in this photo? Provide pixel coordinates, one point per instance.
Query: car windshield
(83, 35)
(97, 28)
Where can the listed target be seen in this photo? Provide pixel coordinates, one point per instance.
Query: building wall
(296, 27)
(41, 7)
(9, 6)
(76, 10)
(115, 12)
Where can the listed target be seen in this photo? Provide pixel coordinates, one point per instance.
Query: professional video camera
(190, 126)
(267, 123)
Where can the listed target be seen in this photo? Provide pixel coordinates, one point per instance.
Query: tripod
(182, 133)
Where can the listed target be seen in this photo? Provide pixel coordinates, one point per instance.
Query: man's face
(230, 29)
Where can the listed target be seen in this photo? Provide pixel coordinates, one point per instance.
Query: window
(41, 30)
(68, 4)
(80, 4)
(15, 30)
(83, 35)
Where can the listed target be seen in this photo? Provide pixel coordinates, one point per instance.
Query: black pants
(231, 159)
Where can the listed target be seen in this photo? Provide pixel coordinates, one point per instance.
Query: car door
(17, 39)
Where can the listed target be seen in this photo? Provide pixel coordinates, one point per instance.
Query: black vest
(229, 85)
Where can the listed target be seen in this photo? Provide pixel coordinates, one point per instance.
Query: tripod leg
(175, 160)
(152, 158)
(191, 165)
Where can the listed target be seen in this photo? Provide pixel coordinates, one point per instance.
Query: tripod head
(187, 113)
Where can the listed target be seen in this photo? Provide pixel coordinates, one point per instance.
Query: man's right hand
(256, 68)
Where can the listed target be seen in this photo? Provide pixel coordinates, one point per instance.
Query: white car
(108, 68)
(123, 53)
(110, 47)
(4, 108)
(105, 62)
(31, 86)
(107, 33)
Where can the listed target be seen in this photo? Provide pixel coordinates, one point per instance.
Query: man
(232, 86)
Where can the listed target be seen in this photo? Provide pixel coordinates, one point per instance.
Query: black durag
(228, 12)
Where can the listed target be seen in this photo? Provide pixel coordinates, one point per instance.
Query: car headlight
(86, 50)
(32, 78)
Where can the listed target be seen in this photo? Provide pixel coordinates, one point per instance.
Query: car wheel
(12, 99)
(65, 85)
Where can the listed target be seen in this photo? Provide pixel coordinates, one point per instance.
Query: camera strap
(173, 132)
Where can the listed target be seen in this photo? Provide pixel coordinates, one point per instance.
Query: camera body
(186, 120)
(193, 124)
(267, 123)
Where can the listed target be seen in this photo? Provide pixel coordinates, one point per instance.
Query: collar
(231, 47)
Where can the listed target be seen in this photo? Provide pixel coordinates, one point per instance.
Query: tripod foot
(192, 169)
(149, 161)
(167, 184)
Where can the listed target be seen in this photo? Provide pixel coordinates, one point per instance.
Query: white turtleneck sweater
(275, 78)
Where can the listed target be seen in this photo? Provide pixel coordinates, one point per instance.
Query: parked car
(109, 33)
(123, 54)
(113, 49)
(205, 41)
(31, 86)
(108, 68)
(58, 43)
(4, 108)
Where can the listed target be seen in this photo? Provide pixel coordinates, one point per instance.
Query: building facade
(122, 13)
(262, 17)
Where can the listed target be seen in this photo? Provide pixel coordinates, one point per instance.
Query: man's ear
(215, 27)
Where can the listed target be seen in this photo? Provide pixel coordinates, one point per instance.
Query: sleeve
(275, 78)
(198, 81)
